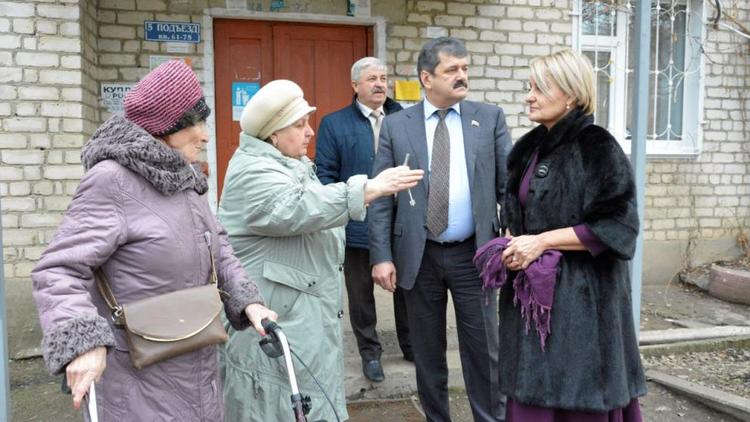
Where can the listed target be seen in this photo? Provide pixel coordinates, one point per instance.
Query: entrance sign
(172, 31)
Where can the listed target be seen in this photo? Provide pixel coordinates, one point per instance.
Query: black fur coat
(591, 361)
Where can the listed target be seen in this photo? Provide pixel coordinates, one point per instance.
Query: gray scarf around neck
(127, 143)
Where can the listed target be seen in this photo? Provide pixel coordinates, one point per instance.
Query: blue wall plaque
(172, 31)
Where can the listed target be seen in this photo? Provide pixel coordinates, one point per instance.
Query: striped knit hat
(167, 100)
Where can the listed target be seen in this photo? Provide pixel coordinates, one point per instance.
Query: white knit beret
(277, 105)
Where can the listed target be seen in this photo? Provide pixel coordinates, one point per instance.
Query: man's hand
(256, 313)
(384, 275)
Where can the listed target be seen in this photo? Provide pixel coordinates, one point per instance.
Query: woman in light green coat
(287, 229)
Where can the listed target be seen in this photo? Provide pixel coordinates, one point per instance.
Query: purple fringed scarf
(534, 287)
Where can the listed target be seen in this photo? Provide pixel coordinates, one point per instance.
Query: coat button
(542, 171)
(340, 314)
(341, 268)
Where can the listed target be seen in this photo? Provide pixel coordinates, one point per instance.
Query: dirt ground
(35, 396)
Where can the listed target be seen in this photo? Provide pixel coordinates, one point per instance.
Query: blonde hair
(571, 71)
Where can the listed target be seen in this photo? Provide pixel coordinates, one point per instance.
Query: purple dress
(519, 412)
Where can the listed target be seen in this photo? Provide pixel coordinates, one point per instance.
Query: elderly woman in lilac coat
(140, 215)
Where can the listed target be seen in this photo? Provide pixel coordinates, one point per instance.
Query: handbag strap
(103, 285)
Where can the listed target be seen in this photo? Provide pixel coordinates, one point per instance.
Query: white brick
(55, 157)
(8, 92)
(60, 77)
(491, 11)
(42, 188)
(25, 124)
(462, 9)
(18, 204)
(15, 9)
(480, 23)
(492, 36)
(117, 31)
(441, 32)
(30, 75)
(68, 140)
(427, 6)
(57, 203)
(29, 43)
(549, 13)
(72, 157)
(9, 220)
(72, 94)
(12, 140)
(40, 220)
(10, 173)
(34, 252)
(38, 93)
(536, 50)
(63, 172)
(37, 59)
(23, 26)
(27, 109)
(71, 62)
(417, 18)
(109, 45)
(70, 29)
(464, 34)
(61, 110)
(120, 59)
(479, 47)
(18, 237)
(11, 74)
(521, 38)
(50, 43)
(4, 25)
(32, 173)
(536, 27)
(155, 5)
(46, 27)
(520, 12)
(22, 156)
(403, 31)
(19, 188)
(72, 125)
(134, 18)
(59, 12)
(444, 20)
(5, 109)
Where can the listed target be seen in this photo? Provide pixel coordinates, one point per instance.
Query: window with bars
(604, 32)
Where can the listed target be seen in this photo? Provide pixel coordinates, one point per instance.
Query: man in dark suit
(346, 146)
(426, 245)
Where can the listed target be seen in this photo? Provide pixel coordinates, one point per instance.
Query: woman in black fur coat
(568, 349)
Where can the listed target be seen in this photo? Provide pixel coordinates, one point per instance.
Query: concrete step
(400, 378)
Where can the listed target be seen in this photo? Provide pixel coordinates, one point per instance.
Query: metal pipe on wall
(4, 383)
(638, 144)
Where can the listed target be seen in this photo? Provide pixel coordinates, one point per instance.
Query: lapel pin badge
(475, 123)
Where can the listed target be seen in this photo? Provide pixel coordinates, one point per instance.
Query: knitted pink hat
(158, 102)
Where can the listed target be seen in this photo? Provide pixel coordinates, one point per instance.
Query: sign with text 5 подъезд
(172, 31)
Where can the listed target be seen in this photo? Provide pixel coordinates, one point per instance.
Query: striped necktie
(440, 172)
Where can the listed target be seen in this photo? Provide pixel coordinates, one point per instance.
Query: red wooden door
(317, 57)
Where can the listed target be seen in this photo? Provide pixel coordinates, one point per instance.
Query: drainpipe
(4, 385)
(638, 144)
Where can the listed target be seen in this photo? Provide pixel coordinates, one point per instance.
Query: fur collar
(123, 141)
(546, 141)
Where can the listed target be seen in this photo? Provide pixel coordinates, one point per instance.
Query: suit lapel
(471, 137)
(418, 140)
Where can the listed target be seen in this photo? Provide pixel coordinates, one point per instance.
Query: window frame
(691, 143)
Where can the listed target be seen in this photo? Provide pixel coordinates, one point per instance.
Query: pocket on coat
(288, 284)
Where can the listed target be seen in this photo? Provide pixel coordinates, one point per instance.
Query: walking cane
(91, 401)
